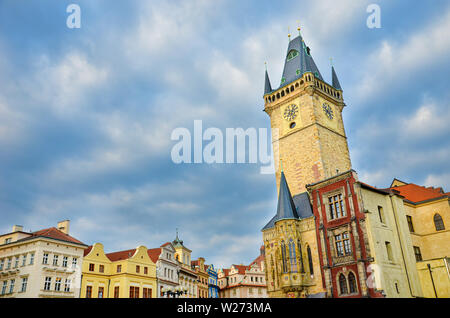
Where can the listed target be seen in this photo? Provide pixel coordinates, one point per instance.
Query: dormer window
(292, 54)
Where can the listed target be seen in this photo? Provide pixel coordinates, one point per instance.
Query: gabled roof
(295, 67)
(241, 269)
(87, 251)
(53, 233)
(416, 194)
(257, 261)
(154, 254)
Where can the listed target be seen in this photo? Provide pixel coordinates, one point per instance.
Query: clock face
(291, 112)
(328, 111)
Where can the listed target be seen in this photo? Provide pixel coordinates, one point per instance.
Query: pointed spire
(267, 86)
(336, 83)
(286, 207)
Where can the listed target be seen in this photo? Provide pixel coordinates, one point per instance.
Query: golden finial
(265, 64)
(298, 26)
(289, 33)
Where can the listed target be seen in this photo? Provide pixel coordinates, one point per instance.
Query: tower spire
(286, 207)
(335, 80)
(267, 86)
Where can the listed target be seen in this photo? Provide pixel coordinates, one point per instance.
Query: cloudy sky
(86, 114)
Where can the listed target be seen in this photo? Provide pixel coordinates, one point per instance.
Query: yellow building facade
(427, 211)
(125, 274)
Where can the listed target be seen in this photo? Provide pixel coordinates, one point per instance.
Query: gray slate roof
(336, 83)
(303, 62)
(298, 207)
(267, 86)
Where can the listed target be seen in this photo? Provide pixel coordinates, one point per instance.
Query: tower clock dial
(328, 111)
(291, 112)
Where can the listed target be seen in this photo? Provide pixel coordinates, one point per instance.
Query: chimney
(17, 228)
(63, 226)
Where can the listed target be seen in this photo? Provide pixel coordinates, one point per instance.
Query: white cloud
(442, 180)
(395, 61)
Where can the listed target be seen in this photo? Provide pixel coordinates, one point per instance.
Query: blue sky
(86, 114)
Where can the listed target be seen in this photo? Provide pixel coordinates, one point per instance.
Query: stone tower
(306, 120)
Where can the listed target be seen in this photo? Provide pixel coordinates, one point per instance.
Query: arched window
(438, 222)
(343, 284)
(352, 283)
(299, 246)
(292, 54)
(311, 269)
(292, 256)
(283, 257)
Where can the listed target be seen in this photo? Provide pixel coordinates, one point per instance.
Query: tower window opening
(293, 125)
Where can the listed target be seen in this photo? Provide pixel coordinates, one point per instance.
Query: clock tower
(308, 132)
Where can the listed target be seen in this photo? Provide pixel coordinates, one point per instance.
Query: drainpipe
(432, 280)
(401, 248)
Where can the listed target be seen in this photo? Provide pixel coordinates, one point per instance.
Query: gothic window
(302, 269)
(381, 214)
(292, 256)
(283, 257)
(336, 204)
(438, 222)
(343, 284)
(311, 269)
(352, 283)
(389, 251)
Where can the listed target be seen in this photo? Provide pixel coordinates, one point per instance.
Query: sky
(86, 115)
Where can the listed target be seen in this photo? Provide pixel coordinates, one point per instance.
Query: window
(16, 263)
(24, 284)
(396, 288)
(116, 292)
(45, 259)
(134, 292)
(145, 270)
(88, 291)
(283, 256)
(381, 214)
(55, 260)
(24, 259)
(31, 258)
(292, 54)
(119, 268)
(138, 268)
(336, 205)
(11, 287)
(8, 240)
(5, 285)
(100, 292)
(389, 251)
(418, 254)
(58, 284)
(311, 268)
(74, 263)
(410, 223)
(343, 284)
(67, 285)
(146, 293)
(8, 266)
(438, 222)
(343, 246)
(2, 263)
(292, 256)
(47, 283)
(91, 267)
(64, 263)
(352, 283)
(101, 268)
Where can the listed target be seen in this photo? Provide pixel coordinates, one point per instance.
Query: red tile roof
(415, 193)
(165, 244)
(56, 234)
(88, 250)
(154, 254)
(241, 268)
(118, 256)
(258, 261)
